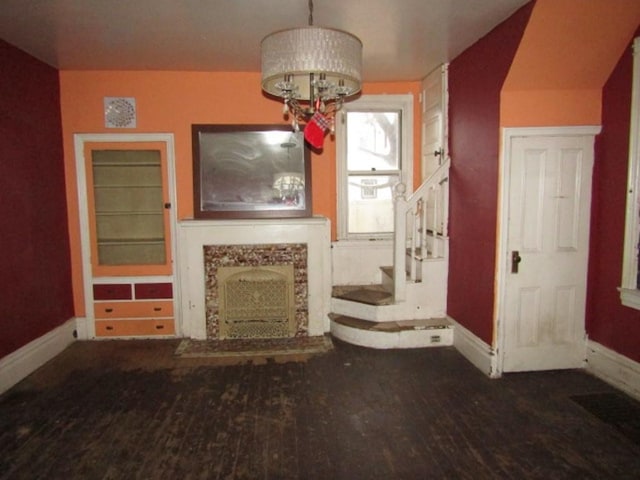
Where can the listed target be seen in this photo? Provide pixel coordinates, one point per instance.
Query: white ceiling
(403, 39)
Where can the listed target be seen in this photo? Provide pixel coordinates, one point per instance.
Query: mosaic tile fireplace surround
(217, 257)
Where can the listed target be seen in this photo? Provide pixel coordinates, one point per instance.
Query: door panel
(434, 118)
(434, 135)
(549, 198)
(568, 221)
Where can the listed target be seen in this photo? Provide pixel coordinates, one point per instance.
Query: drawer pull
(108, 310)
(157, 309)
(159, 327)
(108, 327)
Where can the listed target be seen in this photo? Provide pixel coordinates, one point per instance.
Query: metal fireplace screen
(256, 302)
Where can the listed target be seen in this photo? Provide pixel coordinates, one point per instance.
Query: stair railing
(420, 228)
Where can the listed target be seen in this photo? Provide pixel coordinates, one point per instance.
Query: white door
(434, 139)
(548, 195)
(434, 120)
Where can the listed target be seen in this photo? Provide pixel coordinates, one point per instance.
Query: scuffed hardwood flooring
(132, 410)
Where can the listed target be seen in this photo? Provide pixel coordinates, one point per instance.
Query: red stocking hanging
(316, 129)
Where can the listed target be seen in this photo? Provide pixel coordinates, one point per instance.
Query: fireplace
(256, 302)
(206, 248)
(256, 288)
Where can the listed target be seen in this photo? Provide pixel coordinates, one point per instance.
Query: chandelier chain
(310, 13)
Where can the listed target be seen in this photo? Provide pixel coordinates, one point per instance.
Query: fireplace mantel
(193, 235)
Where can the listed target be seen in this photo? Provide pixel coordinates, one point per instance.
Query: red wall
(35, 272)
(475, 81)
(608, 322)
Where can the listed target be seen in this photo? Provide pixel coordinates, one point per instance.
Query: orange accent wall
(565, 57)
(169, 102)
(541, 108)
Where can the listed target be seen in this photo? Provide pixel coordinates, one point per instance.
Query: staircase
(407, 309)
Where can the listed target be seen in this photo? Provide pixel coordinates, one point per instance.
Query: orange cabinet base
(137, 327)
(156, 308)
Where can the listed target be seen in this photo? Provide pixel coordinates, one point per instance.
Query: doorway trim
(502, 254)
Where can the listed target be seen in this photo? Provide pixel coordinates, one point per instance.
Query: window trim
(402, 103)
(629, 292)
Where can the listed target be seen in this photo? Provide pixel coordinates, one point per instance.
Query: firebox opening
(256, 302)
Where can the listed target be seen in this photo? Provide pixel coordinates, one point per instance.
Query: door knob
(515, 261)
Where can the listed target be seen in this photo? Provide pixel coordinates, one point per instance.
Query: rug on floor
(255, 348)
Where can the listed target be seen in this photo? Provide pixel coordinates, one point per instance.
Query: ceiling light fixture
(313, 69)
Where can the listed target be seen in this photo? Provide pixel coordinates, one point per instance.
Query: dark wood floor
(131, 410)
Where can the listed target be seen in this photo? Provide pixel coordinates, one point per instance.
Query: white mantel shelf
(192, 235)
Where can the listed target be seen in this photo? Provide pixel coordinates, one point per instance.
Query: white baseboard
(82, 329)
(615, 369)
(17, 365)
(474, 349)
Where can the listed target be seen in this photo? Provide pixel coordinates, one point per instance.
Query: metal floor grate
(619, 411)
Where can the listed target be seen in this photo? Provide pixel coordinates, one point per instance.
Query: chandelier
(313, 69)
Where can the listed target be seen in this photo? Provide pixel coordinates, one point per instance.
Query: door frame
(503, 262)
(79, 142)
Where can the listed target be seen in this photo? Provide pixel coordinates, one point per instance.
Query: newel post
(399, 242)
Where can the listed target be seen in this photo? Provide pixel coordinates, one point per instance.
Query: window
(374, 145)
(630, 289)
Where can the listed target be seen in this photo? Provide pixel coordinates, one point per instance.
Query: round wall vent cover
(119, 112)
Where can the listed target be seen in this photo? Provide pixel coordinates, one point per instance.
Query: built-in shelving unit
(125, 204)
(129, 207)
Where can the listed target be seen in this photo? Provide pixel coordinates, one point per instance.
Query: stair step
(418, 253)
(423, 255)
(367, 294)
(388, 271)
(397, 326)
(431, 332)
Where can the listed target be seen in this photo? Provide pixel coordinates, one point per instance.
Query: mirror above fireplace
(250, 171)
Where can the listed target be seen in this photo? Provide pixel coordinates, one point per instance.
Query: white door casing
(544, 218)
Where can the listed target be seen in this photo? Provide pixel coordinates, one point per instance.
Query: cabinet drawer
(133, 309)
(153, 290)
(112, 291)
(128, 328)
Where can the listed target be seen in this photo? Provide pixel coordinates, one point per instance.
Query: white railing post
(424, 204)
(399, 243)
